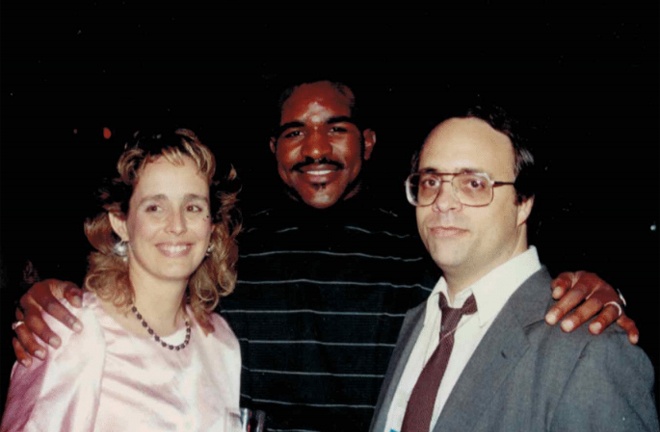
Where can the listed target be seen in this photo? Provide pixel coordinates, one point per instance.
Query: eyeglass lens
(468, 188)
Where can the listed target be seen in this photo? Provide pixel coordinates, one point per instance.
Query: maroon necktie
(422, 399)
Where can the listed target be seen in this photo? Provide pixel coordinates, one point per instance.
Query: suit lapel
(412, 326)
(497, 354)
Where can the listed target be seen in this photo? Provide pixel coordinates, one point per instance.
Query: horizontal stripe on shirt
(317, 309)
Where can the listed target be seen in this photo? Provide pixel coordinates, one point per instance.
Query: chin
(320, 200)
(321, 204)
(446, 258)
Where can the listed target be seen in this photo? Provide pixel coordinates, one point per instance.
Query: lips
(174, 250)
(318, 169)
(447, 231)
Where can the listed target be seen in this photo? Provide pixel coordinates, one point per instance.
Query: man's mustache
(311, 161)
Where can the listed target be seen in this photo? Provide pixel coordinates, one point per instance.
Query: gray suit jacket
(528, 376)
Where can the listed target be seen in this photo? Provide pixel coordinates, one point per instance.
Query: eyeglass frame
(493, 184)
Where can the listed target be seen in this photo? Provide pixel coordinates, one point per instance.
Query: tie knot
(451, 316)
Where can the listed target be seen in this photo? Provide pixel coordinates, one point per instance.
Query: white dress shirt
(491, 293)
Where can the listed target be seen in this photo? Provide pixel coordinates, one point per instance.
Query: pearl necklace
(157, 338)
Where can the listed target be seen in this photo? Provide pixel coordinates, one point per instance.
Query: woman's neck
(160, 303)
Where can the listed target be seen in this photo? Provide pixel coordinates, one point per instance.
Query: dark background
(584, 76)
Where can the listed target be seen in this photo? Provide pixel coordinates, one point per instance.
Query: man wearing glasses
(478, 355)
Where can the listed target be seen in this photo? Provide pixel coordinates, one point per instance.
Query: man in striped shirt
(325, 275)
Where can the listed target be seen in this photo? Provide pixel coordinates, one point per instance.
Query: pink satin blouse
(107, 379)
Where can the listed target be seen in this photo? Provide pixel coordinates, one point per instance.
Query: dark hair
(525, 168)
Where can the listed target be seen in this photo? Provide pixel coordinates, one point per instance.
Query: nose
(316, 145)
(176, 223)
(446, 199)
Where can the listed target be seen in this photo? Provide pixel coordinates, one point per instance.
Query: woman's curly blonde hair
(107, 275)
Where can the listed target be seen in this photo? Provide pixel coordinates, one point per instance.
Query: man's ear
(118, 223)
(273, 144)
(369, 140)
(525, 209)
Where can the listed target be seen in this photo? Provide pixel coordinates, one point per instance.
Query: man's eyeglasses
(469, 188)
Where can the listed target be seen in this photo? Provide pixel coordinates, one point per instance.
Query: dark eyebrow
(462, 171)
(297, 124)
(341, 119)
(285, 126)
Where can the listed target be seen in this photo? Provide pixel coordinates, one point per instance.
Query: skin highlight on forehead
(315, 114)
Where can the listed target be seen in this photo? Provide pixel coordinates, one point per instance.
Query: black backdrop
(585, 77)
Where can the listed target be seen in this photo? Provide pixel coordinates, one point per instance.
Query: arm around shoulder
(60, 393)
(610, 388)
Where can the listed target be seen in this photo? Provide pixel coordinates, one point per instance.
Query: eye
(291, 134)
(429, 182)
(474, 182)
(338, 129)
(152, 208)
(194, 208)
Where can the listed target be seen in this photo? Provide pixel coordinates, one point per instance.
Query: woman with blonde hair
(152, 355)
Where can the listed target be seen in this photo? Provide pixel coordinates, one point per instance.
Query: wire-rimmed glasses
(474, 189)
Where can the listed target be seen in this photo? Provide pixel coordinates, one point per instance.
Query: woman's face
(168, 226)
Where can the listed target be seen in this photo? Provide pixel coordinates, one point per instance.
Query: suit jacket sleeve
(610, 388)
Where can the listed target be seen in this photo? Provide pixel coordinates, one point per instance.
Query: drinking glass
(245, 420)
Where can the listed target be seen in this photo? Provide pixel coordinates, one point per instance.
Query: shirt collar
(492, 291)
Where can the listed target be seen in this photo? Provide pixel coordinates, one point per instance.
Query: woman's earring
(209, 250)
(121, 249)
